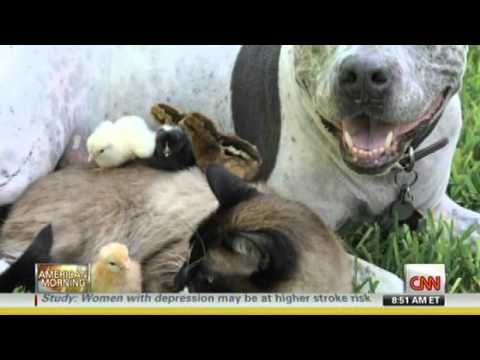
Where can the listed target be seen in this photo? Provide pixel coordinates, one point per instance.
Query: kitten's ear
(228, 188)
(273, 253)
(22, 272)
(42, 245)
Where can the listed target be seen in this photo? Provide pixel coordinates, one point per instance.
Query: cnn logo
(425, 278)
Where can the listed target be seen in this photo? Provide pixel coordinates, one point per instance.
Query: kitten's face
(250, 244)
(241, 249)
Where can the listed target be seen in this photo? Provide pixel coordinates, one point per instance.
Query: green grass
(435, 242)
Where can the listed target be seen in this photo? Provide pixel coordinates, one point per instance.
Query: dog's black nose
(365, 77)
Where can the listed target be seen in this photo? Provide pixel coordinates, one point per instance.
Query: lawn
(436, 243)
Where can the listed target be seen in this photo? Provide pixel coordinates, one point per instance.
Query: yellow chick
(114, 144)
(115, 272)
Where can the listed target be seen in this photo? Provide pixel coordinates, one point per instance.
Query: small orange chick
(115, 272)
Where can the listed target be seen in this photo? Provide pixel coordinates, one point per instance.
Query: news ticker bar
(206, 301)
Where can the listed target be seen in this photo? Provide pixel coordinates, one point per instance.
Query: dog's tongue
(368, 134)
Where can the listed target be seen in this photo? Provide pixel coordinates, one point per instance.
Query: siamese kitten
(256, 241)
(243, 238)
(152, 212)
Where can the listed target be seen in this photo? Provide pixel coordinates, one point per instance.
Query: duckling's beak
(167, 152)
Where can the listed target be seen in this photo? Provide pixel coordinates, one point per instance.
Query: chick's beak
(90, 158)
(167, 152)
(127, 265)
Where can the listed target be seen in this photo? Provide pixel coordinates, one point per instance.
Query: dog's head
(377, 100)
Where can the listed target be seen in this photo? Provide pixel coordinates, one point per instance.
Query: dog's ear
(228, 188)
(273, 253)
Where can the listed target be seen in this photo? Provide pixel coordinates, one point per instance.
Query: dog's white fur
(310, 167)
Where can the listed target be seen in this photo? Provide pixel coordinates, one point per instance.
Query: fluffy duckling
(183, 134)
(115, 272)
(114, 144)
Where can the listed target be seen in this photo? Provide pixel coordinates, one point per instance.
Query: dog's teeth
(389, 140)
(348, 140)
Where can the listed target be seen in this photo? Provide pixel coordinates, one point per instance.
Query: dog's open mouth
(372, 146)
